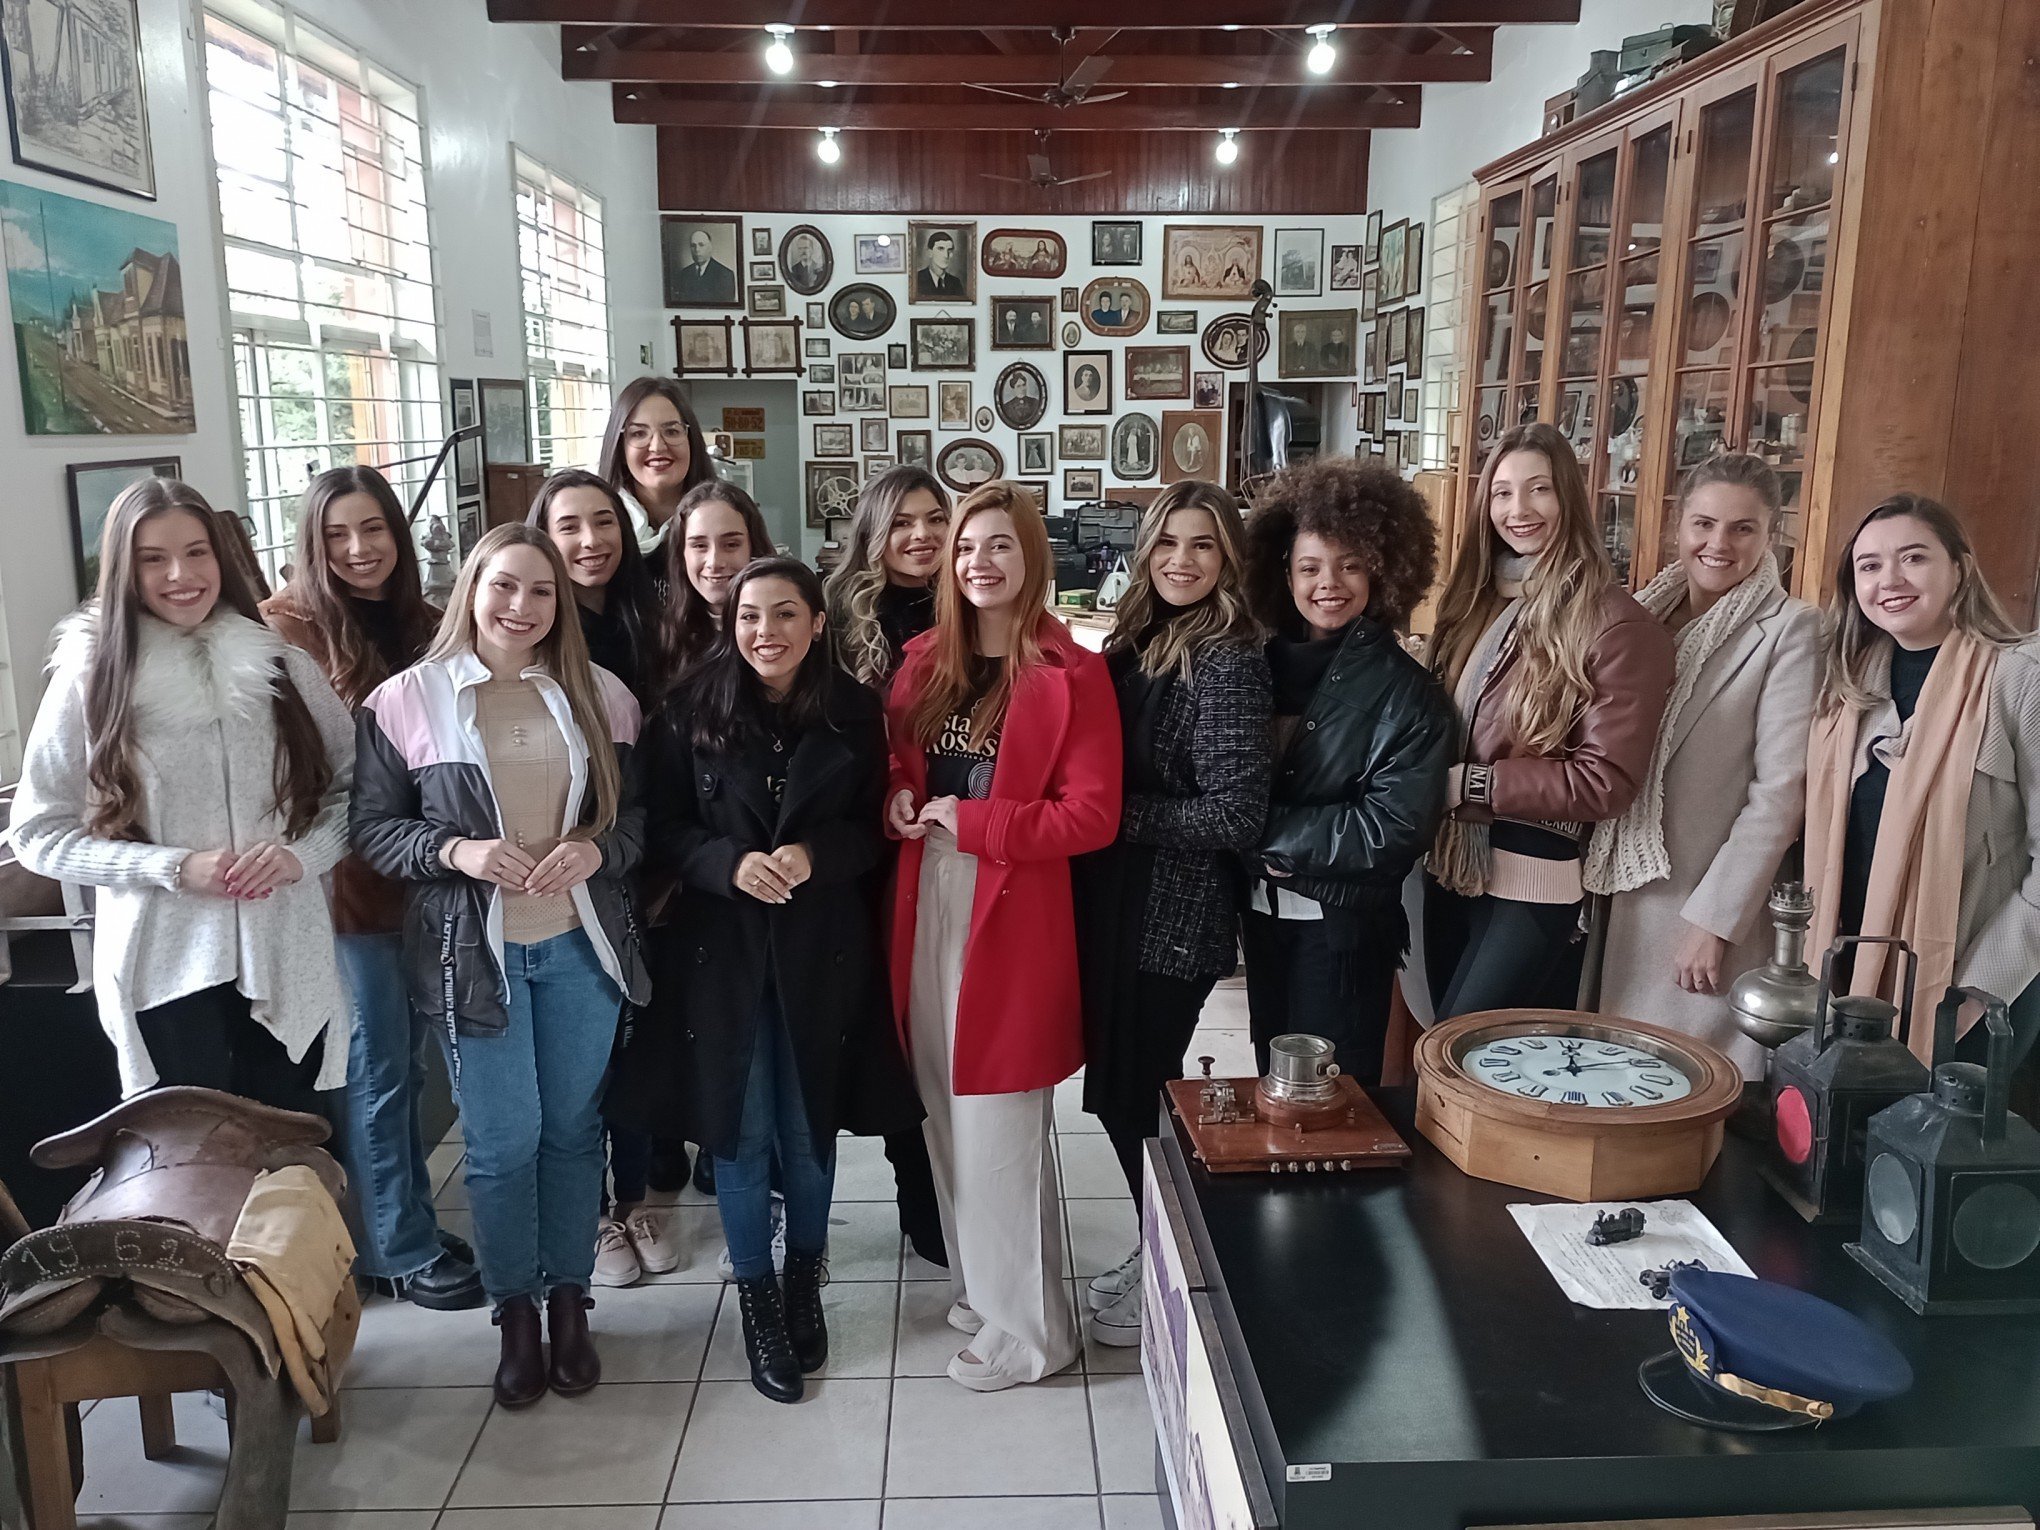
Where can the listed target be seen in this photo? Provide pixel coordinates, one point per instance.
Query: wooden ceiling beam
(1345, 112)
(1126, 15)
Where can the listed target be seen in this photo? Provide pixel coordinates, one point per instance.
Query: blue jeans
(529, 1103)
(381, 1143)
(774, 1124)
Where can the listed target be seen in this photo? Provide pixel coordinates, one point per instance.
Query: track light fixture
(1322, 54)
(1228, 148)
(778, 55)
(828, 151)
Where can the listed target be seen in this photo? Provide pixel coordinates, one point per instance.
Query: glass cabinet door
(1543, 233)
(1634, 272)
(1495, 351)
(1586, 304)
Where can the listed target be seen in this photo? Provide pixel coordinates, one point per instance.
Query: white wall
(1465, 126)
(482, 88)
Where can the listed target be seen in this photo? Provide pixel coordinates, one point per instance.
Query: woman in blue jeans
(775, 764)
(354, 604)
(496, 788)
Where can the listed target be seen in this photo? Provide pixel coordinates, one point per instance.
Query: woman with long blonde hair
(1157, 910)
(1560, 678)
(1922, 808)
(1005, 764)
(493, 783)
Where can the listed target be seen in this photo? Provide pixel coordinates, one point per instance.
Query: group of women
(737, 859)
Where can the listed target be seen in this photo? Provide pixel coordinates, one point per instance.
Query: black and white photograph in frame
(822, 372)
(1037, 452)
(965, 464)
(1021, 396)
(862, 311)
(1115, 305)
(76, 101)
(831, 490)
(835, 440)
(1082, 484)
(818, 316)
(1373, 238)
(701, 262)
(907, 401)
(984, 419)
(93, 487)
(1347, 267)
(1318, 342)
(465, 409)
(771, 345)
(944, 345)
(1116, 244)
(1087, 382)
(1176, 321)
(1413, 262)
(1413, 342)
(767, 302)
(1071, 335)
(816, 347)
(873, 466)
(1080, 443)
(506, 428)
(896, 355)
(1157, 371)
(916, 447)
(1023, 324)
(816, 402)
(871, 435)
(1394, 240)
(1225, 341)
(761, 241)
(764, 271)
(1136, 447)
(879, 254)
(805, 260)
(860, 382)
(953, 405)
(704, 345)
(1299, 262)
(1207, 390)
(1370, 295)
(942, 262)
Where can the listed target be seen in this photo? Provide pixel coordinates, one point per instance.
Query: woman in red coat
(1005, 763)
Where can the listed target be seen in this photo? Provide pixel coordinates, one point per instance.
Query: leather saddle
(174, 1167)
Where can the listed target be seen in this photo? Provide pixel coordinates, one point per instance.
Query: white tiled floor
(675, 1438)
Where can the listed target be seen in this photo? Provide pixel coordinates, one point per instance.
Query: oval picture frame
(1233, 324)
(810, 278)
(884, 311)
(1020, 417)
(946, 463)
(1114, 292)
(1127, 466)
(1016, 252)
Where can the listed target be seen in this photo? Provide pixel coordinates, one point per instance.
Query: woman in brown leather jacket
(1560, 679)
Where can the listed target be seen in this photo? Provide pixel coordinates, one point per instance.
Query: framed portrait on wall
(943, 262)
(1087, 382)
(1116, 243)
(701, 260)
(1023, 324)
(944, 345)
(916, 447)
(805, 259)
(953, 405)
(835, 440)
(1080, 443)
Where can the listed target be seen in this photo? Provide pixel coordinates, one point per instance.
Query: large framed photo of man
(1210, 260)
(942, 262)
(701, 261)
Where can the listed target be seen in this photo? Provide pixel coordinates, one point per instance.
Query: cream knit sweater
(205, 745)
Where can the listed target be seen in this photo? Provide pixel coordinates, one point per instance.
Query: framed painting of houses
(98, 300)
(76, 105)
(94, 486)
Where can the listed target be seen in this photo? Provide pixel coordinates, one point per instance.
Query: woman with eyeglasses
(653, 452)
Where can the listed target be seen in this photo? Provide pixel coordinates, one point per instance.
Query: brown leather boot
(575, 1365)
(520, 1374)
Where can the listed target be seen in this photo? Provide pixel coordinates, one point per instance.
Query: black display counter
(1403, 1361)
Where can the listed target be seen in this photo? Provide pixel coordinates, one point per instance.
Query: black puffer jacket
(1358, 793)
(421, 778)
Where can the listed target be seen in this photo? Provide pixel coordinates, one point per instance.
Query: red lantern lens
(1794, 1126)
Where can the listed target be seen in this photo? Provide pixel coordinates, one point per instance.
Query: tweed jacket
(1210, 745)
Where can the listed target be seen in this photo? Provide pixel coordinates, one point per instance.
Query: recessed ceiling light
(1230, 85)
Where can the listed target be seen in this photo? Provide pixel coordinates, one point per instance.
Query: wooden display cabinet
(1815, 243)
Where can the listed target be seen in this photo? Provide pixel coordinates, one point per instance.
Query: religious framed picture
(1070, 299)
(879, 254)
(805, 260)
(1413, 342)
(1116, 243)
(1210, 261)
(771, 345)
(93, 487)
(965, 464)
(831, 490)
(1346, 268)
(816, 346)
(860, 381)
(821, 372)
(1207, 390)
(944, 345)
(1083, 484)
(465, 410)
(1318, 342)
(1299, 262)
(862, 311)
(76, 102)
(952, 404)
(1024, 252)
(1080, 443)
(1037, 451)
(767, 302)
(942, 261)
(907, 401)
(1192, 441)
(1225, 341)
(1374, 238)
(1114, 305)
(506, 427)
(1087, 382)
(1413, 262)
(815, 401)
(1157, 371)
(1176, 321)
(1135, 443)
(761, 241)
(916, 447)
(1398, 348)
(1021, 396)
(872, 435)
(818, 316)
(1023, 324)
(1394, 239)
(700, 260)
(835, 440)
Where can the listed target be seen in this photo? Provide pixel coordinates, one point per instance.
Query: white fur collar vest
(223, 671)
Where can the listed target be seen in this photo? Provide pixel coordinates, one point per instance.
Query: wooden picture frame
(931, 279)
(772, 347)
(1087, 382)
(837, 439)
(1020, 396)
(1117, 242)
(1032, 327)
(1413, 342)
(1211, 262)
(506, 419)
(965, 464)
(806, 260)
(1393, 239)
(766, 301)
(1193, 444)
(828, 491)
(1115, 306)
(916, 447)
(1157, 371)
(953, 405)
(943, 345)
(1082, 443)
(86, 120)
(1024, 252)
(1083, 484)
(91, 488)
(464, 409)
(874, 435)
(711, 276)
(698, 343)
(1037, 452)
(1300, 261)
(1413, 262)
(907, 401)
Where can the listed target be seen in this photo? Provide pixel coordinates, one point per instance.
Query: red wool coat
(1055, 794)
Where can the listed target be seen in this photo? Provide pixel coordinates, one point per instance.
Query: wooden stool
(50, 1390)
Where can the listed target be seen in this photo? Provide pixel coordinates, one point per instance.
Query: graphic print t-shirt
(955, 768)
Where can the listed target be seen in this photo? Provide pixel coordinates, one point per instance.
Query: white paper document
(1611, 1277)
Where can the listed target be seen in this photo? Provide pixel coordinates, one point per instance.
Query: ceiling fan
(1074, 85)
(1040, 172)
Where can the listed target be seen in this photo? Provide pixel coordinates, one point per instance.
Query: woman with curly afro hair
(1338, 553)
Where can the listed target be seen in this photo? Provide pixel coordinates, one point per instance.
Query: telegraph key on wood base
(1304, 1117)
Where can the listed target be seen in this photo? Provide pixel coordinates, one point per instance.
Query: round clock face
(1576, 1070)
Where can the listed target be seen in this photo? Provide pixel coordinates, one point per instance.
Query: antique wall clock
(1589, 1107)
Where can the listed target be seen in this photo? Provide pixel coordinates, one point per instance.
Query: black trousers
(914, 1179)
(1297, 980)
(1166, 1011)
(209, 1039)
(1496, 953)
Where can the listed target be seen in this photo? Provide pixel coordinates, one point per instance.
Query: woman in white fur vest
(194, 767)
(1691, 863)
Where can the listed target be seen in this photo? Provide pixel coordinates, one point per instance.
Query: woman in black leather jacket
(1338, 552)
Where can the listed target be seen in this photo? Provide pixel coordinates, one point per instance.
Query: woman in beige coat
(1690, 865)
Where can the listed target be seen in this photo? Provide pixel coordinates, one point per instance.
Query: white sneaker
(1118, 1324)
(1115, 1283)
(964, 1319)
(616, 1262)
(728, 1270)
(652, 1236)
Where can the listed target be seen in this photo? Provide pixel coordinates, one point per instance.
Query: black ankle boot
(520, 1374)
(573, 1367)
(774, 1371)
(806, 1328)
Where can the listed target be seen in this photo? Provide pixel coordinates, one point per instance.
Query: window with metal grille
(566, 314)
(320, 158)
